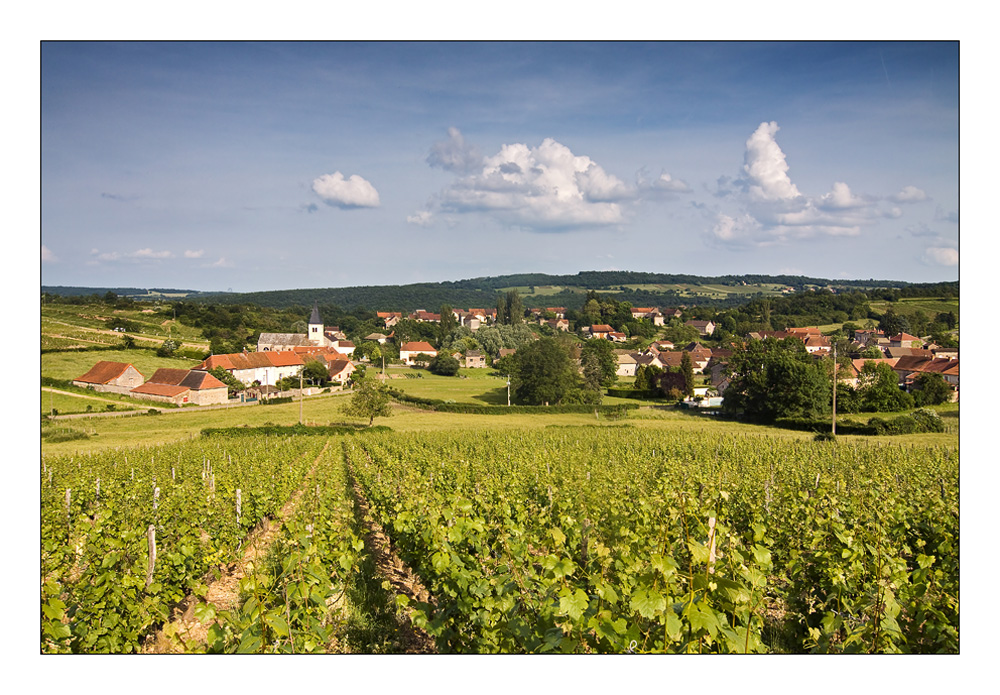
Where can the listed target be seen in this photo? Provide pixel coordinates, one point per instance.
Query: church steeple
(315, 334)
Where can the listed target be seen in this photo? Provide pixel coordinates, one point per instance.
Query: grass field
(66, 403)
(70, 365)
(66, 325)
(187, 423)
(929, 305)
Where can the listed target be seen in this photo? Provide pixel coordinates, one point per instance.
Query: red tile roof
(186, 378)
(103, 372)
(417, 346)
(254, 360)
(155, 389)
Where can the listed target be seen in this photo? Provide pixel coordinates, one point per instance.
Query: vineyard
(564, 540)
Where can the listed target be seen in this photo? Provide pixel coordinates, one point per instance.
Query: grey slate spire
(314, 316)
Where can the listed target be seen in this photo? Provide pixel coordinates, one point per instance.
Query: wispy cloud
(118, 197)
(48, 256)
(194, 254)
(146, 254)
(352, 192)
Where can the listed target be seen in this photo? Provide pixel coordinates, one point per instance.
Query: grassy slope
(68, 324)
(70, 365)
(146, 430)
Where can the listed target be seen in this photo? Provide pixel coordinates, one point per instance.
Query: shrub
(927, 420)
(152, 411)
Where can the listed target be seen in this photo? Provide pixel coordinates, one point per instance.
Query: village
(281, 359)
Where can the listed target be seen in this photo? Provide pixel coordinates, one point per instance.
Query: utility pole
(300, 396)
(834, 424)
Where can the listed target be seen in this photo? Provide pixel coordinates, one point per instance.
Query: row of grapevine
(626, 540)
(126, 535)
(294, 599)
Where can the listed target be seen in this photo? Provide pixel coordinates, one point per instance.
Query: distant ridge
(639, 288)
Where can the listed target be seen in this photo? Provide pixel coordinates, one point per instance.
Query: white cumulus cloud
(543, 187)
(841, 198)
(909, 194)
(352, 192)
(779, 211)
(48, 256)
(194, 254)
(938, 255)
(765, 166)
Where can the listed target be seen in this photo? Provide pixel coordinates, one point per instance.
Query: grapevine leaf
(647, 602)
(574, 604)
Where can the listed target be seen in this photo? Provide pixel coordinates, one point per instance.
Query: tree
(370, 400)
(603, 353)
(930, 389)
(234, 385)
(687, 370)
(592, 376)
(515, 308)
(646, 377)
(542, 373)
(316, 372)
(878, 389)
(447, 325)
(777, 378)
(443, 365)
(168, 348)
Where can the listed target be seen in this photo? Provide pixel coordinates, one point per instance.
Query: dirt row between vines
(224, 593)
(390, 566)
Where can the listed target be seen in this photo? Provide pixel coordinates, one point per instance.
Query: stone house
(110, 377)
(407, 351)
(181, 386)
(475, 359)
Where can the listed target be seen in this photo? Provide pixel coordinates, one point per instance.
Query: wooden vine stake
(97, 491)
(67, 506)
(151, 542)
(156, 499)
(711, 545)
(239, 505)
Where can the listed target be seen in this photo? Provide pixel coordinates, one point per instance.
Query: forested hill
(540, 290)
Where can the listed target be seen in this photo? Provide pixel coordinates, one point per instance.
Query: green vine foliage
(567, 540)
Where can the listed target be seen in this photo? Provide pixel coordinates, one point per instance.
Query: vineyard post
(239, 505)
(711, 546)
(151, 543)
(833, 429)
(67, 506)
(156, 499)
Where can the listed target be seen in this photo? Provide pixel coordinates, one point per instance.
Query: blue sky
(256, 166)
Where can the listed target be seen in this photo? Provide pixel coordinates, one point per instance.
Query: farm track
(389, 566)
(224, 593)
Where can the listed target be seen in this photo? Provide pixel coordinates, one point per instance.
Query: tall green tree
(603, 353)
(687, 370)
(370, 400)
(447, 325)
(772, 379)
(878, 389)
(515, 308)
(543, 373)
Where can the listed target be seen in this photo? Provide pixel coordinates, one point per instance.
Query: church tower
(315, 332)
